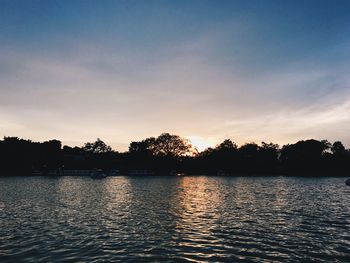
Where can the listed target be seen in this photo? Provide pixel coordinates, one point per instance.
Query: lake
(190, 218)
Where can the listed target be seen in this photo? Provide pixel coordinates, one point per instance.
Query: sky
(251, 71)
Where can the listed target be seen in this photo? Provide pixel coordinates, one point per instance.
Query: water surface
(195, 219)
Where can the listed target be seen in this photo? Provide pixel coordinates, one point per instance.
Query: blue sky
(207, 70)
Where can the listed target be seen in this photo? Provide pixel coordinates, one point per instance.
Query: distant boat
(347, 182)
(98, 174)
(174, 173)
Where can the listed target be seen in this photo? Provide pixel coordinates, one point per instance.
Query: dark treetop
(168, 153)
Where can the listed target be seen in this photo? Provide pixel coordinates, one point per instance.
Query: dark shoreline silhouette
(170, 155)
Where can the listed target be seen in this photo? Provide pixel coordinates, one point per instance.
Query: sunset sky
(206, 70)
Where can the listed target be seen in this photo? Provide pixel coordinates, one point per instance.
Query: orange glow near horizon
(201, 143)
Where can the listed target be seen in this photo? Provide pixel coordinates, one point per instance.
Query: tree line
(167, 153)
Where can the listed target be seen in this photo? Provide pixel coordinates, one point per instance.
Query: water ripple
(189, 219)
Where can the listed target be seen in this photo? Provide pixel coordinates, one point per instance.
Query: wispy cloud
(118, 96)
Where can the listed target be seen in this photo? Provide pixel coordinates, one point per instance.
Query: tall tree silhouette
(97, 147)
(304, 156)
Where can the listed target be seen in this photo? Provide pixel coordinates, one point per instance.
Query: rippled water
(79, 219)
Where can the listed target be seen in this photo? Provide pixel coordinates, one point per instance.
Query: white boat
(174, 173)
(347, 182)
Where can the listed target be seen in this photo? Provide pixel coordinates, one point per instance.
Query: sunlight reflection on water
(174, 218)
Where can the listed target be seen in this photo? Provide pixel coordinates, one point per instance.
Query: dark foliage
(168, 153)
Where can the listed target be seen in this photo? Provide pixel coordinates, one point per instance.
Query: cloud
(327, 118)
(118, 96)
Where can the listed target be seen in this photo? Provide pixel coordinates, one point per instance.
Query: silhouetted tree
(144, 147)
(248, 155)
(172, 146)
(97, 147)
(340, 160)
(338, 148)
(52, 153)
(162, 153)
(226, 145)
(268, 154)
(225, 156)
(304, 156)
(141, 155)
(171, 152)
